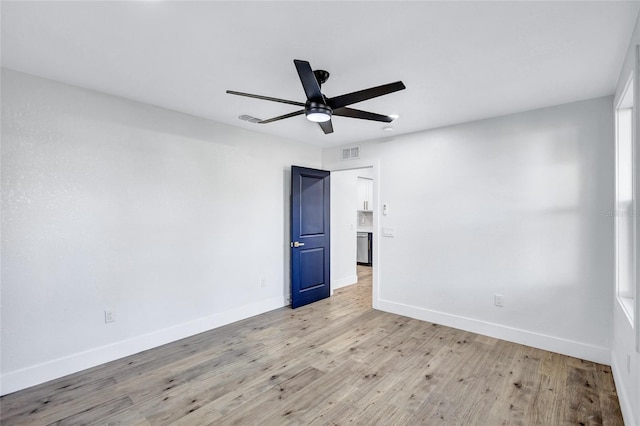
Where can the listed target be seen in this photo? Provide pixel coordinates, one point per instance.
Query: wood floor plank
(99, 411)
(333, 362)
(55, 403)
(608, 396)
(582, 398)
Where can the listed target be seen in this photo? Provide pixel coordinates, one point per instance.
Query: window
(625, 203)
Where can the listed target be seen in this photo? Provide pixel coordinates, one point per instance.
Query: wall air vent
(249, 118)
(351, 153)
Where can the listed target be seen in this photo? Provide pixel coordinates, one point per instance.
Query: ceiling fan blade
(326, 127)
(363, 95)
(308, 80)
(281, 117)
(365, 115)
(266, 98)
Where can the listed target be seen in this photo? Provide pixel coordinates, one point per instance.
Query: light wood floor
(334, 362)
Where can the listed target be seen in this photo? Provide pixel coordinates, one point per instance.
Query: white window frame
(627, 297)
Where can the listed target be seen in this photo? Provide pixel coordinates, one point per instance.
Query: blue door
(309, 235)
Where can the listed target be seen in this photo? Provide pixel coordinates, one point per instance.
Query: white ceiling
(460, 61)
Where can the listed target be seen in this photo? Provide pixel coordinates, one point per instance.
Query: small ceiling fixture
(250, 119)
(317, 112)
(388, 129)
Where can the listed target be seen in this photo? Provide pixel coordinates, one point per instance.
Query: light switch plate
(388, 232)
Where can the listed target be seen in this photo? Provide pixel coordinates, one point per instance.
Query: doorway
(353, 214)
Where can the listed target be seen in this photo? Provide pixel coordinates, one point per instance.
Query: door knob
(297, 244)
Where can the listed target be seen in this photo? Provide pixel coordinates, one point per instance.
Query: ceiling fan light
(318, 113)
(318, 117)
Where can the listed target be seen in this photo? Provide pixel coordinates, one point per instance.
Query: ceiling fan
(318, 108)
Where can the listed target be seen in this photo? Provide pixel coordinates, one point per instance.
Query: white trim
(621, 390)
(635, 120)
(627, 305)
(622, 102)
(344, 282)
(628, 99)
(572, 348)
(34, 375)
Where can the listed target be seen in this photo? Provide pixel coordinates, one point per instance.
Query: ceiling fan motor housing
(321, 75)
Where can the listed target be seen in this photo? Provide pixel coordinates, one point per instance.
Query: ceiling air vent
(351, 153)
(249, 118)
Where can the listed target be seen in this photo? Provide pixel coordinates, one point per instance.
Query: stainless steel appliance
(364, 256)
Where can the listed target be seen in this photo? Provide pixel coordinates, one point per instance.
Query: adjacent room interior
(489, 207)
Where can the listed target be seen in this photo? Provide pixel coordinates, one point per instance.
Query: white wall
(625, 359)
(344, 203)
(514, 205)
(170, 220)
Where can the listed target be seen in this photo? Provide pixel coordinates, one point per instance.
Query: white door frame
(375, 166)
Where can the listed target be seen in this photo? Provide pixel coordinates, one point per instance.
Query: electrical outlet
(263, 282)
(498, 300)
(109, 316)
(388, 232)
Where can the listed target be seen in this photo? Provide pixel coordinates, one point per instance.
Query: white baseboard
(584, 351)
(34, 375)
(623, 397)
(343, 282)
